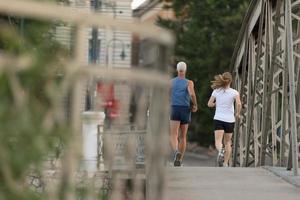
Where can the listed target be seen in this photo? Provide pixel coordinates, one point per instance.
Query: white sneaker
(220, 158)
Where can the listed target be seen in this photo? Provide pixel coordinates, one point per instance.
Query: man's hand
(194, 108)
(237, 115)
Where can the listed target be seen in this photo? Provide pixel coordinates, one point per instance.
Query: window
(96, 4)
(94, 50)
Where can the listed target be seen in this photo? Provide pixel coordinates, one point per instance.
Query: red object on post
(114, 109)
(109, 102)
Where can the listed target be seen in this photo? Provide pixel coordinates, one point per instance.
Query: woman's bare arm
(211, 103)
(238, 105)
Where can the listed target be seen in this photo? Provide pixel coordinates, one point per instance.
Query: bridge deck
(208, 183)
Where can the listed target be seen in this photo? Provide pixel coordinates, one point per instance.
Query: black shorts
(226, 126)
(181, 113)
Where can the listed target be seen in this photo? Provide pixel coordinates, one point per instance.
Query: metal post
(265, 116)
(249, 94)
(284, 115)
(258, 62)
(236, 132)
(265, 112)
(284, 89)
(274, 100)
(243, 92)
(292, 100)
(268, 86)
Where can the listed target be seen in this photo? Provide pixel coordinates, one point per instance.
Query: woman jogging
(223, 98)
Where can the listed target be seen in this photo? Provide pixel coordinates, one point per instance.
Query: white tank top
(225, 104)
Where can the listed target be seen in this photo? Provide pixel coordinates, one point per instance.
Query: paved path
(199, 160)
(210, 183)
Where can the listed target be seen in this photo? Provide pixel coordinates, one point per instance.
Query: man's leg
(182, 139)
(227, 141)
(174, 127)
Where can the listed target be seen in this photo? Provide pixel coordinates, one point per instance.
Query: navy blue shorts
(181, 113)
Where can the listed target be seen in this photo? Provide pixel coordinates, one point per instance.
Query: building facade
(105, 47)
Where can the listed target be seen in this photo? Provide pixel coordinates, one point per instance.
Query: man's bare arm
(193, 96)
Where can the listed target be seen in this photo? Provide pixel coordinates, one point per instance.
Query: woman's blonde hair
(221, 80)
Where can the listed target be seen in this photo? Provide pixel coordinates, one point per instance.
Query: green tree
(206, 32)
(29, 129)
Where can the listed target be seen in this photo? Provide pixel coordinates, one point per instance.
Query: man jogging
(182, 92)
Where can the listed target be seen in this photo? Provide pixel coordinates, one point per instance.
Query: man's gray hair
(181, 66)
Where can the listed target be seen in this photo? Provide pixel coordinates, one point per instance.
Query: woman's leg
(219, 139)
(227, 141)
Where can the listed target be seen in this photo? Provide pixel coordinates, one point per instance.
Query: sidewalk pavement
(211, 183)
(285, 175)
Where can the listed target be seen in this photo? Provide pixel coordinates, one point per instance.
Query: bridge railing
(266, 68)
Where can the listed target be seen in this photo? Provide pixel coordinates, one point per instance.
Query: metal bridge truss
(266, 65)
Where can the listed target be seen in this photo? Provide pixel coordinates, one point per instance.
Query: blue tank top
(179, 92)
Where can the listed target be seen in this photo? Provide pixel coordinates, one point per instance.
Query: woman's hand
(212, 102)
(211, 105)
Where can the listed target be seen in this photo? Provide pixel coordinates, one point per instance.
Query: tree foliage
(206, 32)
(29, 128)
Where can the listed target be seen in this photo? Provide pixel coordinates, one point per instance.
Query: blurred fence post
(77, 71)
(158, 129)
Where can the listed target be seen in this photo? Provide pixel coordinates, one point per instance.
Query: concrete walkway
(209, 183)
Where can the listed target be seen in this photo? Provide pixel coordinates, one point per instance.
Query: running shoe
(220, 158)
(225, 165)
(177, 160)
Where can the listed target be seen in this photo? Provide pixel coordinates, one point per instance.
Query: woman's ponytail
(221, 80)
